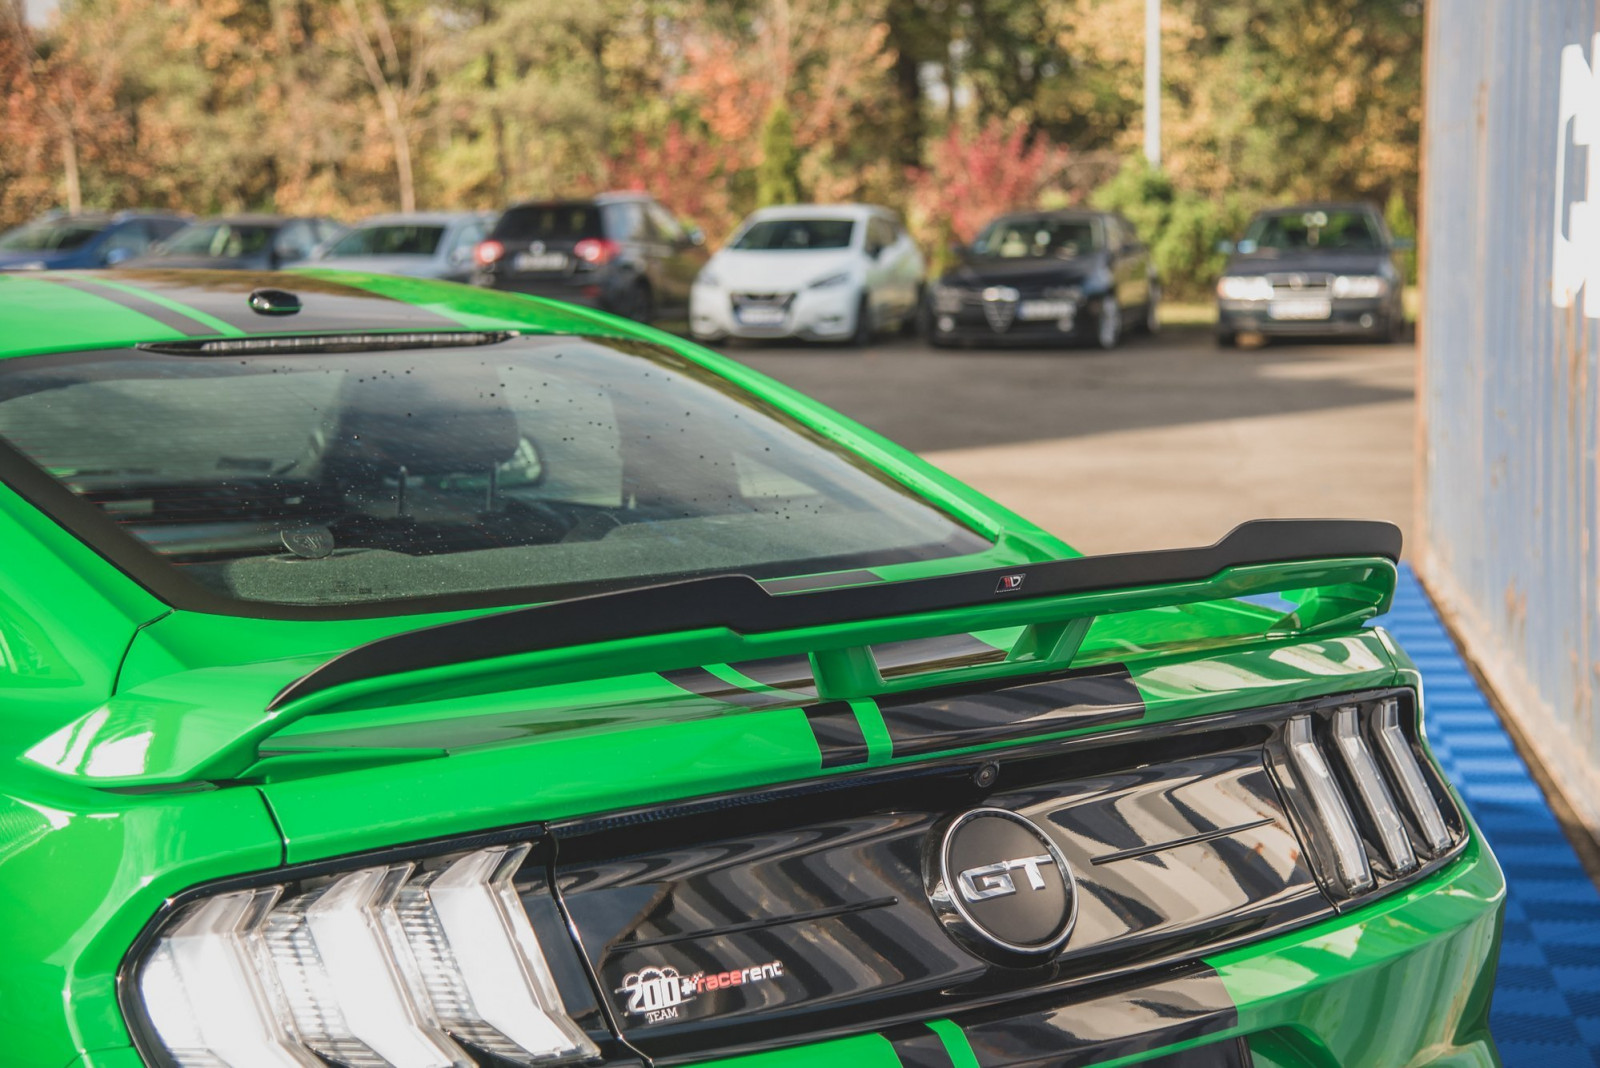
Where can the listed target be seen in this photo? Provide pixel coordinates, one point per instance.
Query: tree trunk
(69, 166)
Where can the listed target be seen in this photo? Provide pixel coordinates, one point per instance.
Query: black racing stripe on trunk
(792, 673)
(162, 314)
(838, 734)
(979, 713)
(1139, 1016)
(702, 682)
(918, 1047)
(927, 654)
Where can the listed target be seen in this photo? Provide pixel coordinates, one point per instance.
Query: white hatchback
(822, 272)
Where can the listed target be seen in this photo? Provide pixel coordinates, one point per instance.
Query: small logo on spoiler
(1010, 583)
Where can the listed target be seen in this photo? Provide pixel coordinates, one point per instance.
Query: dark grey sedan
(1313, 269)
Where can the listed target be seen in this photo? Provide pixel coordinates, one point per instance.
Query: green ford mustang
(399, 674)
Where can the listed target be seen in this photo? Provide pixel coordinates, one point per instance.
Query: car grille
(1301, 284)
(807, 911)
(762, 300)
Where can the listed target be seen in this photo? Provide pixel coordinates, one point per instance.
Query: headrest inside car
(429, 424)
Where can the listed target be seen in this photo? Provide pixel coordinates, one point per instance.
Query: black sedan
(1046, 278)
(1313, 269)
(242, 243)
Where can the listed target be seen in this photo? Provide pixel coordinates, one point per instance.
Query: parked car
(620, 252)
(821, 272)
(87, 239)
(1046, 277)
(421, 244)
(1313, 269)
(242, 243)
(398, 675)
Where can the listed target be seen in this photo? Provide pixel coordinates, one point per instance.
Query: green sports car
(401, 674)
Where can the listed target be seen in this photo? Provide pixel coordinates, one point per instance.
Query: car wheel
(637, 303)
(1108, 330)
(862, 335)
(1152, 311)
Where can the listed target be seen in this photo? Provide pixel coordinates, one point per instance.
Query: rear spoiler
(1336, 574)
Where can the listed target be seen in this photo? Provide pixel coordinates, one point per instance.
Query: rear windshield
(548, 466)
(1036, 238)
(1317, 229)
(49, 236)
(388, 241)
(223, 240)
(799, 234)
(559, 222)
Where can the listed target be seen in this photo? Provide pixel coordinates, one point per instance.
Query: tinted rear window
(547, 222)
(546, 465)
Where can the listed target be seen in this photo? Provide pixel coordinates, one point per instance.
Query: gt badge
(1010, 583)
(657, 994)
(1000, 886)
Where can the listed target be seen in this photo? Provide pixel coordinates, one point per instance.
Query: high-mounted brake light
(596, 251)
(487, 252)
(404, 965)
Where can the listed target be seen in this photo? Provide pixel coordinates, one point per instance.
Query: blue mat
(1546, 1011)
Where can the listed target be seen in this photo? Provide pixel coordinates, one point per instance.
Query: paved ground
(1164, 441)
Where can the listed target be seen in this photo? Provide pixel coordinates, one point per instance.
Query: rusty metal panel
(1508, 373)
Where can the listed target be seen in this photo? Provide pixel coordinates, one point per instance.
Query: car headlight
(1244, 287)
(707, 277)
(829, 281)
(397, 965)
(1359, 286)
(1099, 280)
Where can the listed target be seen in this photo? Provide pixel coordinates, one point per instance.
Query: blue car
(59, 241)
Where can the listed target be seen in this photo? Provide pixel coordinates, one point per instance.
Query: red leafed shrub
(685, 170)
(972, 177)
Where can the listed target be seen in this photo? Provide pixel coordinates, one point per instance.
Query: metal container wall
(1507, 388)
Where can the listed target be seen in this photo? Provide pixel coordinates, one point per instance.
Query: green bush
(1181, 227)
(1401, 224)
(778, 175)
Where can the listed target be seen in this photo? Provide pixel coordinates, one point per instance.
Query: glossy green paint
(106, 687)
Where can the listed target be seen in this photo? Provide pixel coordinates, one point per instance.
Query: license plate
(1045, 309)
(540, 261)
(1302, 308)
(759, 316)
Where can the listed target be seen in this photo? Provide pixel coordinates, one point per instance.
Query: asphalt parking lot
(1166, 440)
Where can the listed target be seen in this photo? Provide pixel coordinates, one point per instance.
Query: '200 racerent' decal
(657, 993)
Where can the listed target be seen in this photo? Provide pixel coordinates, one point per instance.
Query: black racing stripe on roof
(977, 714)
(146, 307)
(838, 733)
(326, 306)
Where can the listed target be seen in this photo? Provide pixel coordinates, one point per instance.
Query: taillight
(596, 250)
(406, 964)
(488, 252)
(1365, 795)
